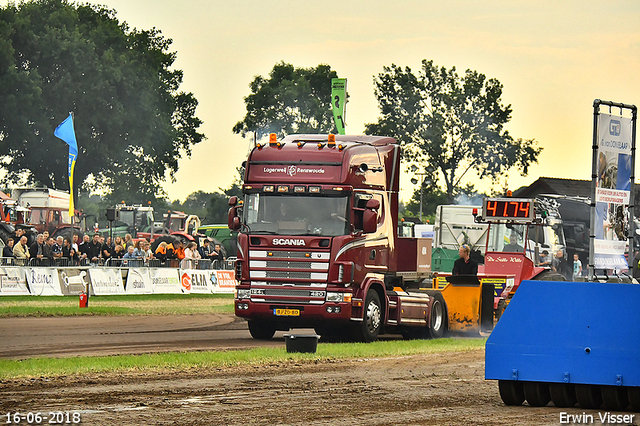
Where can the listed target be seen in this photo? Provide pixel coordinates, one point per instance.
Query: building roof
(559, 186)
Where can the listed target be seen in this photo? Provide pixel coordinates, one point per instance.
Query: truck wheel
(437, 316)
(368, 330)
(261, 330)
(511, 392)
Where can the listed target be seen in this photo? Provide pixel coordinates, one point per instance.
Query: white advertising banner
(165, 280)
(138, 281)
(196, 280)
(12, 282)
(106, 281)
(225, 281)
(612, 191)
(73, 281)
(43, 281)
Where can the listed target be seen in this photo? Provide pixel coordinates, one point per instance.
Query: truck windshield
(297, 215)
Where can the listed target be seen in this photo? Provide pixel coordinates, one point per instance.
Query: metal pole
(594, 182)
(421, 186)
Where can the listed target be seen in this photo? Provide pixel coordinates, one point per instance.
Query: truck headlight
(338, 297)
(244, 293)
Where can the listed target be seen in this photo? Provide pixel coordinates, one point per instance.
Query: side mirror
(233, 201)
(370, 216)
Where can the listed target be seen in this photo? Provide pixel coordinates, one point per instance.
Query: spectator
(20, 251)
(7, 251)
(544, 259)
(74, 242)
(56, 249)
(47, 252)
(117, 241)
(577, 266)
(69, 252)
(137, 251)
(118, 252)
(218, 255)
(205, 249)
(128, 240)
(191, 251)
(107, 249)
(83, 248)
(130, 253)
(94, 249)
(161, 251)
(561, 266)
(35, 251)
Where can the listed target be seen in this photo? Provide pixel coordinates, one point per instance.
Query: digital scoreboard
(510, 209)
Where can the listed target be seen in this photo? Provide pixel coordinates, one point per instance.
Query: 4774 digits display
(37, 418)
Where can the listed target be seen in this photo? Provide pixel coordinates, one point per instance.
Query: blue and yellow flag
(65, 132)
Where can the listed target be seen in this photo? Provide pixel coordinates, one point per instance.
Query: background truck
(318, 243)
(49, 210)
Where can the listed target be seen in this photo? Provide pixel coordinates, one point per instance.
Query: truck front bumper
(294, 315)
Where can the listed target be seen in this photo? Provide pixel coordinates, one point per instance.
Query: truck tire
(367, 331)
(614, 398)
(437, 316)
(563, 395)
(261, 330)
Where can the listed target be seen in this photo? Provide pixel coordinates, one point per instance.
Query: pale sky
(552, 57)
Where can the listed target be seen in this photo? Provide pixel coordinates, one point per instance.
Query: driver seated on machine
(513, 245)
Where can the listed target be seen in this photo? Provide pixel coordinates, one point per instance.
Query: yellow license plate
(287, 312)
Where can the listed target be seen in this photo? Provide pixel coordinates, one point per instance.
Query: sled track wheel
(511, 392)
(562, 394)
(634, 398)
(615, 398)
(588, 396)
(537, 393)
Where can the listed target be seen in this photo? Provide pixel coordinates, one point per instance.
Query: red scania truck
(318, 244)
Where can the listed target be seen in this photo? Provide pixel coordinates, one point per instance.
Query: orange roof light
(509, 194)
(332, 140)
(273, 138)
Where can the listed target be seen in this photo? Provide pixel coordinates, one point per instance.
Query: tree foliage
(132, 123)
(291, 100)
(450, 124)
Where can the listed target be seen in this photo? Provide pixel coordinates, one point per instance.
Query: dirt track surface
(438, 389)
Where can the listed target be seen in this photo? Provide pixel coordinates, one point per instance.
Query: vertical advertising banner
(338, 99)
(612, 192)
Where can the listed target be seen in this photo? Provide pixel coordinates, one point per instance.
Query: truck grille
(274, 273)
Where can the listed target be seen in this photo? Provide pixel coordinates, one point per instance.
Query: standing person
(35, 251)
(94, 249)
(130, 253)
(561, 266)
(69, 252)
(7, 251)
(83, 247)
(56, 249)
(74, 242)
(205, 249)
(20, 251)
(465, 265)
(577, 266)
(49, 255)
(191, 251)
(128, 241)
(544, 259)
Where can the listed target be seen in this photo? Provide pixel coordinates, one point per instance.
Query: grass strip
(143, 304)
(54, 367)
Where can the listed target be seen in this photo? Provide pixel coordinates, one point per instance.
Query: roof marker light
(320, 145)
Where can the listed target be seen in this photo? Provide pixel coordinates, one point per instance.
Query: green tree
(449, 123)
(132, 123)
(291, 100)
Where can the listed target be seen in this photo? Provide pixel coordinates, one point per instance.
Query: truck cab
(318, 244)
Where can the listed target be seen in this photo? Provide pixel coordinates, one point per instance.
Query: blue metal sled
(568, 333)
